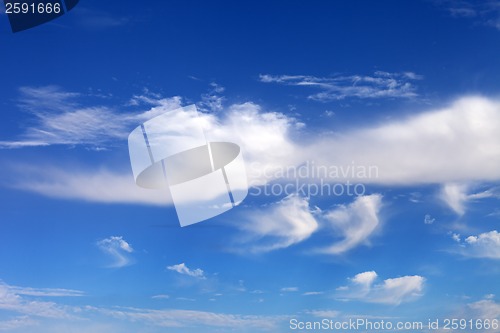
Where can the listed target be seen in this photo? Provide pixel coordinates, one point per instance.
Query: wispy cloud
(14, 299)
(355, 223)
(118, 249)
(393, 291)
(183, 269)
(313, 293)
(29, 312)
(289, 289)
(457, 196)
(188, 318)
(161, 296)
(485, 12)
(379, 85)
(60, 118)
(280, 225)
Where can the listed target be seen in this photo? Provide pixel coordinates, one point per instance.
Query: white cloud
(324, 313)
(61, 119)
(355, 222)
(393, 291)
(90, 185)
(16, 323)
(485, 245)
(46, 292)
(13, 299)
(428, 219)
(484, 12)
(455, 196)
(188, 318)
(313, 293)
(162, 296)
(289, 289)
(380, 85)
(451, 146)
(280, 225)
(118, 249)
(29, 312)
(183, 269)
(486, 309)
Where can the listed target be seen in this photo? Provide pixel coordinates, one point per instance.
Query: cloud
(61, 119)
(380, 85)
(279, 225)
(32, 312)
(457, 144)
(189, 318)
(485, 309)
(393, 291)
(428, 219)
(289, 289)
(14, 299)
(355, 223)
(118, 249)
(313, 293)
(456, 196)
(99, 185)
(485, 12)
(183, 269)
(162, 296)
(324, 313)
(485, 245)
(17, 323)
(46, 292)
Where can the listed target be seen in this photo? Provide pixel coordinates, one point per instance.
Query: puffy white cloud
(355, 223)
(118, 249)
(485, 245)
(280, 225)
(183, 269)
(391, 291)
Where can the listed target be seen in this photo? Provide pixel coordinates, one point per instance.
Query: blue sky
(409, 89)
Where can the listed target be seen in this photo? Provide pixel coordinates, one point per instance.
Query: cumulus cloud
(118, 249)
(485, 245)
(393, 291)
(183, 269)
(355, 223)
(280, 225)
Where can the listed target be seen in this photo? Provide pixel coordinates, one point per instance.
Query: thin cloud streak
(379, 85)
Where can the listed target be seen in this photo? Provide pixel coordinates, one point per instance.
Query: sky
(370, 136)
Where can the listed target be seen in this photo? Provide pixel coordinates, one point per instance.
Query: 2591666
(32, 8)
